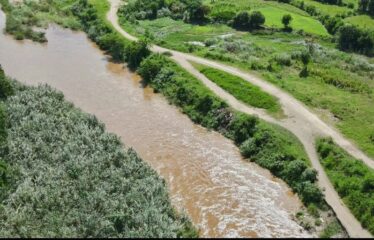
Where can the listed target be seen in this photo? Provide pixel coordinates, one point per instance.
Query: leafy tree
(242, 127)
(6, 88)
(363, 5)
(196, 11)
(135, 52)
(294, 169)
(371, 8)
(351, 38)
(286, 20)
(256, 19)
(248, 21)
(113, 44)
(310, 193)
(305, 59)
(241, 20)
(151, 66)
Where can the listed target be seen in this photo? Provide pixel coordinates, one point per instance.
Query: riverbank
(207, 178)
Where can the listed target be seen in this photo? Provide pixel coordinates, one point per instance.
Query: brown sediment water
(224, 195)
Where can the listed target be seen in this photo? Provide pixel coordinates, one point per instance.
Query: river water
(224, 195)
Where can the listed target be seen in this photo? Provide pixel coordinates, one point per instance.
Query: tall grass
(242, 90)
(353, 180)
(77, 180)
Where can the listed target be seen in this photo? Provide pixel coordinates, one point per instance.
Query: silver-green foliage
(75, 179)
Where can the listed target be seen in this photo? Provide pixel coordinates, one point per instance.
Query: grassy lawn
(273, 12)
(306, 23)
(242, 90)
(363, 21)
(328, 9)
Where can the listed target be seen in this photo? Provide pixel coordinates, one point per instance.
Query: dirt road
(300, 121)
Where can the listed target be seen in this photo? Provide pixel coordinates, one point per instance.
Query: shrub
(283, 59)
(151, 66)
(248, 21)
(6, 88)
(242, 127)
(135, 52)
(351, 38)
(286, 20)
(352, 179)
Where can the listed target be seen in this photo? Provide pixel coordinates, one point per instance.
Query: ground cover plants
(353, 180)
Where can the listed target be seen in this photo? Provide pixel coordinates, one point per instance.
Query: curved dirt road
(300, 121)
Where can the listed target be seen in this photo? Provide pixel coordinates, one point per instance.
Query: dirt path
(300, 121)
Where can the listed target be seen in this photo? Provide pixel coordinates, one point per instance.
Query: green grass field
(273, 12)
(327, 9)
(363, 21)
(242, 90)
(300, 22)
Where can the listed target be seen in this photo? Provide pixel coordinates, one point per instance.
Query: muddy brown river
(224, 195)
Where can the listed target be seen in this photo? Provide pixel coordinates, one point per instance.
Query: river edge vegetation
(353, 180)
(269, 146)
(25, 16)
(63, 175)
(337, 84)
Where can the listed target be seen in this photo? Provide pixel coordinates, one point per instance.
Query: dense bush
(107, 39)
(6, 88)
(366, 6)
(76, 180)
(188, 10)
(332, 24)
(353, 180)
(22, 18)
(352, 38)
(248, 21)
(15, 25)
(286, 20)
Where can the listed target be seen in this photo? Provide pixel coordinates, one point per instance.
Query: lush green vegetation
(352, 38)
(366, 7)
(362, 21)
(8, 174)
(63, 175)
(22, 18)
(331, 230)
(273, 11)
(241, 89)
(338, 85)
(106, 38)
(353, 180)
